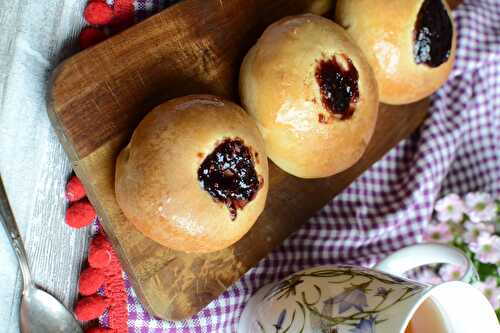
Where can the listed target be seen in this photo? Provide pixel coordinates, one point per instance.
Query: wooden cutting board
(99, 96)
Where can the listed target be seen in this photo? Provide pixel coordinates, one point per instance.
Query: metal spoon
(40, 311)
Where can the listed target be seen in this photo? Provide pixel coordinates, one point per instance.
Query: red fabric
(91, 307)
(91, 279)
(99, 258)
(123, 11)
(105, 270)
(80, 214)
(91, 36)
(98, 13)
(114, 288)
(101, 242)
(99, 252)
(74, 189)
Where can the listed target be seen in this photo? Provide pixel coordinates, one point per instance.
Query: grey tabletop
(34, 37)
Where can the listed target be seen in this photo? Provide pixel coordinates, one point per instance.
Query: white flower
(438, 233)
(487, 248)
(429, 277)
(490, 289)
(451, 272)
(450, 209)
(480, 207)
(474, 230)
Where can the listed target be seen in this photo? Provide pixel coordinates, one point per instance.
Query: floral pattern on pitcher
(348, 311)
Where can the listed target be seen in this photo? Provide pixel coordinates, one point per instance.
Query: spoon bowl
(42, 313)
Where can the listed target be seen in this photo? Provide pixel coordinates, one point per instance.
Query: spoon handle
(10, 226)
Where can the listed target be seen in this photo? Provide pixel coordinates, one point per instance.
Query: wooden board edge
(52, 113)
(81, 170)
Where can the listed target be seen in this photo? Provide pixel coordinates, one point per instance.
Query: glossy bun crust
(386, 32)
(162, 189)
(287, 83)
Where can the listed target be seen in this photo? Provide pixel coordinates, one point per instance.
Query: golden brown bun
(157, 184)
(320, 7)
(384, 30)
(278, 86)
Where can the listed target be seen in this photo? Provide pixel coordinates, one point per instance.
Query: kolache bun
(410, 44)
(194, 176)
(313, 95)
(320, 7)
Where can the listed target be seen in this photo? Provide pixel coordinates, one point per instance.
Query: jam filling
(338, 86)
(433, 34)
(228, 175)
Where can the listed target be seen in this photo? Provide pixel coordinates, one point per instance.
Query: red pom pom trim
(74, 189)
(98, 13)
(80, 214)
(91, 279)
(90, 37)
(91, 307)
(123, 11)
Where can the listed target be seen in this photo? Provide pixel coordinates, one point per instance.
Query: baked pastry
(313, 95)
(409, 44)
(194, 176)
(319, 7)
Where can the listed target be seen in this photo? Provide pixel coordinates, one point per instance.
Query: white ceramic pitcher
(350, 299)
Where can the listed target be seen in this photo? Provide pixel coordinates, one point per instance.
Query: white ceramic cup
(350, 299)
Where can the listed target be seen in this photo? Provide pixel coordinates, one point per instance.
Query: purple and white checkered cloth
(456, 150)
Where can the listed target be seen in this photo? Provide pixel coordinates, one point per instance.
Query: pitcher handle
(418, 255)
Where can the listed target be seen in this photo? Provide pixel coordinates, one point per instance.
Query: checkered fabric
(456, 150)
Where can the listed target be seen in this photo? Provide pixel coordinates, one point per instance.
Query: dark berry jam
(433, 34)
(229, 175)
(338, 86)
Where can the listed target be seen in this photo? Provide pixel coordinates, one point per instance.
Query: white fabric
(32, 162)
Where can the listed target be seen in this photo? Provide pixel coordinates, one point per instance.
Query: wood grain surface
(196, 46)
(33, 164)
